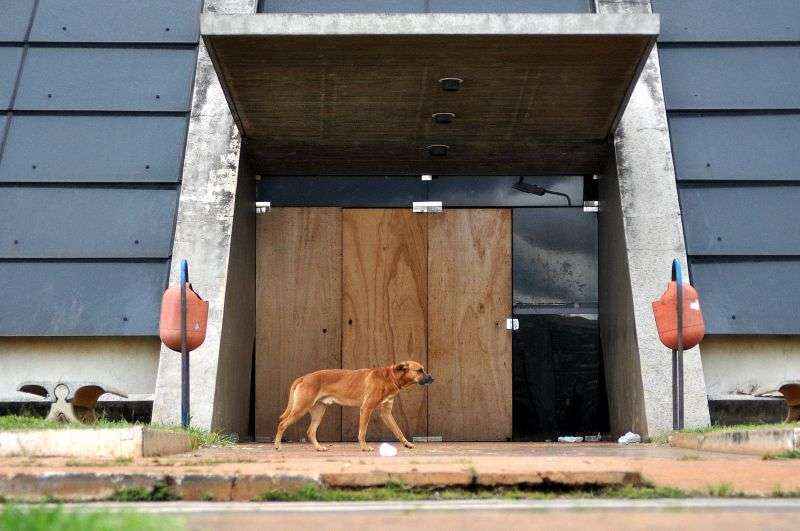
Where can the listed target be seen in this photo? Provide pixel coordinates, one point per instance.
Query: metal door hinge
(591, 206)
(429, 207)
(262, 207)
(512, 324)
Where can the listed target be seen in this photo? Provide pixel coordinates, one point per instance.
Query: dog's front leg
(388, 419)
(363, 422)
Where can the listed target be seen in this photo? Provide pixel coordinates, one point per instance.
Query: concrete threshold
(115, 443)
(753, 442)
(98, 485)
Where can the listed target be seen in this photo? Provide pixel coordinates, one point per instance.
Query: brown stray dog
(368, 389)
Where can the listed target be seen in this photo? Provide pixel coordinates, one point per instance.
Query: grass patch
(789, 454)
(399, 492)
(50, 518)
(743, 427)
(199, 438)
(106, 462)
(160, 492)
(203, 438)
(27, 423)
(723, 490)
(778, 492)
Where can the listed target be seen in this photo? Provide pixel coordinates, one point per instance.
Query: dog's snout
(426, 380)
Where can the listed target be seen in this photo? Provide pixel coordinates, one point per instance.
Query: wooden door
(469, 348)
(298, 311)
(384, 299)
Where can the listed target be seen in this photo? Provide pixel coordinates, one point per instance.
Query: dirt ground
(658, 464)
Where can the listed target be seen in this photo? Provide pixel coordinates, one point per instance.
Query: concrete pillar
(640, 234)
(215, 231)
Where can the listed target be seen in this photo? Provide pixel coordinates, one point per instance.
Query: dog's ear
(401, 367)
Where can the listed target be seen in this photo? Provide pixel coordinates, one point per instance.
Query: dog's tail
(290, 402)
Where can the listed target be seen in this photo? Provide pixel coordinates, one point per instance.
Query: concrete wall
(215, 232)
(232, 392)
(126, 363)
(640, 234)
(749, 365)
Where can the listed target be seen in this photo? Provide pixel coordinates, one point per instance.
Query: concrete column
(215, 231)
(640, 234)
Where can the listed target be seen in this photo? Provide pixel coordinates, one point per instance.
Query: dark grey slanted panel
(67, 222)
(740, 59)
(509, 6)
(128, 21)
(81, 298)
(555, 260)
(736, 220)
(423, 6)
(14, 18)
(748, 77)
(749, 297)
(104, 98)
(728, 20)
(109, 79)
(9, 65)
(736, 147)
(94, 148)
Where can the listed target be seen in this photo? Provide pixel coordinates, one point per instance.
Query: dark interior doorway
(558, 383)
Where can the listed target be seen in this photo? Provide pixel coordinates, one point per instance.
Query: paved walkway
(457, 464)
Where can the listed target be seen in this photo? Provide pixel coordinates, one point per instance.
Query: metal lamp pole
(677, 355)
(184, 351)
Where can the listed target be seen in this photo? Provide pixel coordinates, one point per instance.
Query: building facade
(125, 145)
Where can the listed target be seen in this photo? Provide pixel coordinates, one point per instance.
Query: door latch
(512, 324)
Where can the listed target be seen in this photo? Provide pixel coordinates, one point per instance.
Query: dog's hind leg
(300, 405)
(317, 412)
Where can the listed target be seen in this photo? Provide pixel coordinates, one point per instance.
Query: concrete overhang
(352, 94)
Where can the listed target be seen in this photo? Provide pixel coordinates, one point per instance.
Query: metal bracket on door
(427, 207)
(429, 439)
(591, 206)
(512, 324)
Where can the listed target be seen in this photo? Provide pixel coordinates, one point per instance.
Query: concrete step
(96, 485)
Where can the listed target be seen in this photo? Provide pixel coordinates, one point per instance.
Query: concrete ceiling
(355, 94)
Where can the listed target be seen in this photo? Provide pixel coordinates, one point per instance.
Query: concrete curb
(753, 442)
(88, 485)
(124, 443)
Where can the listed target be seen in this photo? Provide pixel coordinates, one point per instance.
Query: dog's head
(410, 372)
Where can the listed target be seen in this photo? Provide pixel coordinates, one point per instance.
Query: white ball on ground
(387, 450)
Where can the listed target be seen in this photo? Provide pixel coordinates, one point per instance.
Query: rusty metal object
(70, 401)
(791, 393)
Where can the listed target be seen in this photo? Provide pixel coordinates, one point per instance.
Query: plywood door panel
(298, 313)
(469, 349)
(384, 299)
